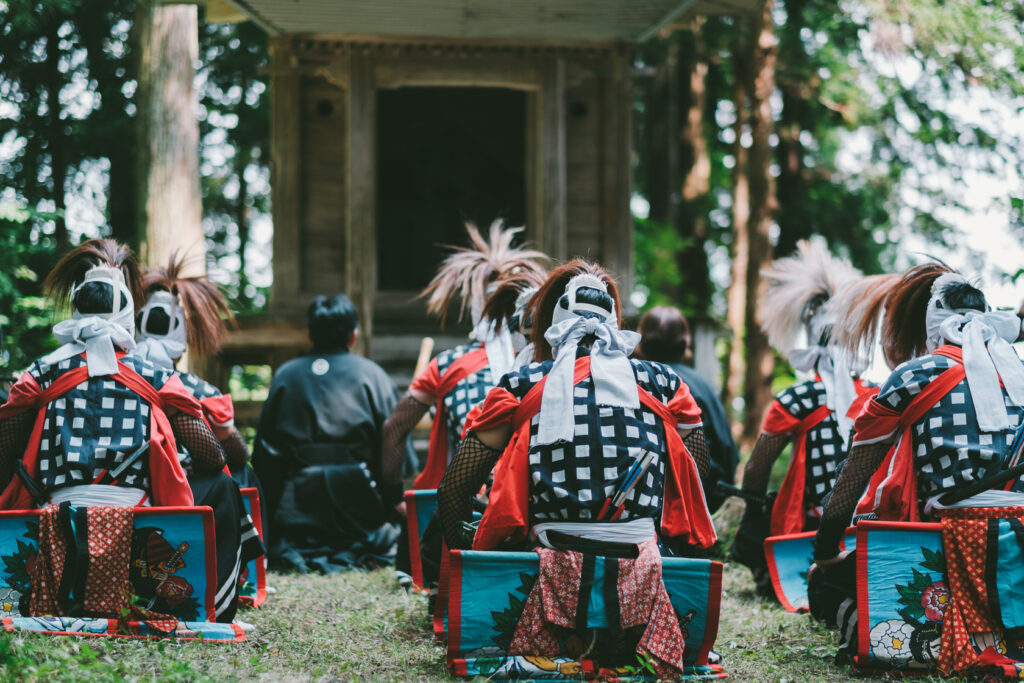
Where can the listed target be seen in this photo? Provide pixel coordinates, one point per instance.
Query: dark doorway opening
(444, 156)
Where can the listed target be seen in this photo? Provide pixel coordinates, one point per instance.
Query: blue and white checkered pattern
(94, 426)
(570, 481)
(823, 442)
(466, 395)
(949, 448)
(198, 386)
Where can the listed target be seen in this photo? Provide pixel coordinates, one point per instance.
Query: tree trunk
(737, 294)
(242, 157)
(759, 357)
(56, 144)
(169, 199)
(694, 206)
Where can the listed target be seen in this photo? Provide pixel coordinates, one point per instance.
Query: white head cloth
(985, 339)
(500, 352)
(162, 349)
(98, 333)
(612, 373)
(525, 355)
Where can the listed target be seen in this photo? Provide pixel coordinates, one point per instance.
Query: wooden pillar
(616, 174)
(360, 226)
(285, 174)
(549, 191)
(170, 202)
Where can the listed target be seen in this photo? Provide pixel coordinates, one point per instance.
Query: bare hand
(825, 564)
(400, 508)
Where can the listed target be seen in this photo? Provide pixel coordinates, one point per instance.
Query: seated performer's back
(320, 426)
(569, 433)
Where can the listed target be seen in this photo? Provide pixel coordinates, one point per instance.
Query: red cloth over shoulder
(428, 381)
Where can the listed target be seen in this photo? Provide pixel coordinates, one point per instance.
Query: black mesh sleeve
(236, 450)
(195, 435)
(850, 485)
(15, 432)
(698, 446)
(463, 478)
(394, 433)
(759, 468)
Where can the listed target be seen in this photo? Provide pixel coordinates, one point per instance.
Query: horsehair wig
(469, 271)
(793, 287)
(904, 331)
(856, 312)
(204, 304)
(502, 303)
(72, 267)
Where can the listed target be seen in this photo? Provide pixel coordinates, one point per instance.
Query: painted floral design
(934, 600)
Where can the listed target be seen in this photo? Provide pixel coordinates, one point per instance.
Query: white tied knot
(985, 339)
(98, 333)
(162, 349)
(610, 369)
(836, 371)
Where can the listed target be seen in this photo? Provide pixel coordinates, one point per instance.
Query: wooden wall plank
(551, 231)
(360, 227)
(285, 175)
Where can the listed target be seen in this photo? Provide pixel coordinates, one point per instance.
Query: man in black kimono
(332, 502)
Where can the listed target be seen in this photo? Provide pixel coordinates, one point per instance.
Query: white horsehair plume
(469, 271)
(794, 287)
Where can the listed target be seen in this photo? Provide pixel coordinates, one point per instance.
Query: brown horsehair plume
(904, 332)
(857, 312)
(468, 271)
(502, 303)
(71, 269)
(204, 304)
(794, 286)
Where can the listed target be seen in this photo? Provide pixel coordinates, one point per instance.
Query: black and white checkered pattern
(949, 448)
(570, 481)
(823, 443)
(197, 386)
(472, 390)
(94, 426)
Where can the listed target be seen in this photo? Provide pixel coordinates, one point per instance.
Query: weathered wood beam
(286, 174)
(361, 223)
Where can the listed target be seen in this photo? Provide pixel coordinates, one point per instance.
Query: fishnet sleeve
(194, 434)
(394, 432)
(236, 451)
(463, 478)
(759, 468)
(850, 485)
(15, 432)
(698, 447)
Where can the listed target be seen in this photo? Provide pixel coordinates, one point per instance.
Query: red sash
(892, 492)
(168, 481)
(437, 452)
(685, 513)
(789, 514)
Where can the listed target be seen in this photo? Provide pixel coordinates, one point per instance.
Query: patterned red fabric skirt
(643, 600)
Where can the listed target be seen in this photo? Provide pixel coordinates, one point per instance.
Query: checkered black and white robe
(570, 481)
(94, 426)
(949, 448)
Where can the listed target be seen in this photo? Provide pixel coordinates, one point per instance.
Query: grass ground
(361, 626)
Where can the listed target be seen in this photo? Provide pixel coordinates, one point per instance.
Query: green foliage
(910, 594)
(657, 271)
(25, 315)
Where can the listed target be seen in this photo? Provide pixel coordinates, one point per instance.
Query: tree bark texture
(760, 360)
(169, 199)
(56, 143)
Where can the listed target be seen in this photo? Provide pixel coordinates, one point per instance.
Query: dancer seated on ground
(108, 422)
(332, 499)
(189, 312)
(587, 456)
(813, 415)
(665, 338)
(942, 422)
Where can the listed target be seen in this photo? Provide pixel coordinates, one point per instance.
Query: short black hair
(331, 321)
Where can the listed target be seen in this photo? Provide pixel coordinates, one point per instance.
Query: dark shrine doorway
(445, 155)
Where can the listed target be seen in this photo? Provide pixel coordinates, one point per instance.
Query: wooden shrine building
(394, 121)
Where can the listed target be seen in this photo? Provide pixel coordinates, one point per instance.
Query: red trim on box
(253, 494)
(133, 626)
(773, 570)
(460, 667)
(714, 612)
(412, 522)
(441, 603)
(863, 630)
(879, 525)
(454, 562)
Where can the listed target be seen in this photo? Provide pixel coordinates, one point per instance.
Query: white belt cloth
(99, 494)
(634, 531)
